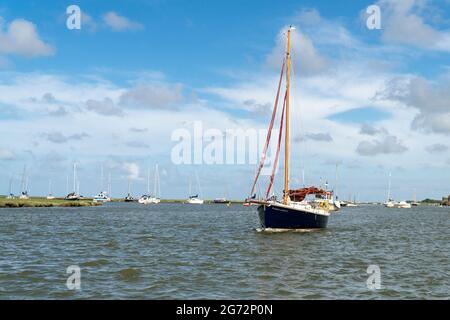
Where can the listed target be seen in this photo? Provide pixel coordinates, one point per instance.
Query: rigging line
(269, 132)
(280, 135)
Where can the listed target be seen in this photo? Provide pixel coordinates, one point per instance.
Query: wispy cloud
(105, 107)
(385, 145)
(152, 96)
(6, 154)
(120, 23)
(58, 137)
(437, 148)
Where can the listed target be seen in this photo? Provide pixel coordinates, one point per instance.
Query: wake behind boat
(293, 211)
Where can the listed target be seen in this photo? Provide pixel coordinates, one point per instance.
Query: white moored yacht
(102, 197)
(196, 198)
(155, 198)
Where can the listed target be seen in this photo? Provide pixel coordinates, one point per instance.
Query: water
(130, 251)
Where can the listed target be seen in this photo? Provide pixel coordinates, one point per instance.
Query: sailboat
(10, 193)
(50, 195)
(194, 199)
(155, 197)
(389, 203)
(74, 195)
(129, 197)
(103, 196)
(222, 200)
(337, 202)
(24, 193)
(414, 202)
(393, 204)
(293, 211)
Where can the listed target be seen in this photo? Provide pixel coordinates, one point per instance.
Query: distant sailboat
(337, 202)
(222, 200)
(415, 203)
(129, 197)
(50, 195)
(103, 196)
(390, 203)
(10, 190)
(293, 211)
(195, 199)
(24, 193)
(155, 197)
(74, 195)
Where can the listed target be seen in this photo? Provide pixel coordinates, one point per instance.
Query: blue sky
(112, 93)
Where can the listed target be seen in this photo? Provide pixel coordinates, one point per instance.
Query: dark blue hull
(275, 217)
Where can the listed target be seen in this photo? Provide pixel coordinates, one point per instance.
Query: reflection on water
(213, 251)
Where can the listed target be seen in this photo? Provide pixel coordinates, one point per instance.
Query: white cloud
(152, 96)
(120, 23)
(324, 137)
(105, 107)
(431, 99)
(22, 38)
(6, 154)
(305, 57)
(386, 145)
(132, 170)
(403, 24)
(58, 137)
(437, 148)
(88, 22)
(370, 130)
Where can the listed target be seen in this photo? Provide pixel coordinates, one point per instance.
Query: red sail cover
(269, 132)
(300, 194)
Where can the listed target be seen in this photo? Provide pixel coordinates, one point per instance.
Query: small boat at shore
(10, 193)
(129, 197)
(390, 203)
(75, 194)
(155, 198)
(24, 194)
(293, 211)
(194, 199)
(50, 196)
(102, 197)
(351, 205)
(221, 201)
(400, 204)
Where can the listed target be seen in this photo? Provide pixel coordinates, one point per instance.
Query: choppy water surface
(213, 251)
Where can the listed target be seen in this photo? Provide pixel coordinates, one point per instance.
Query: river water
(176, 251)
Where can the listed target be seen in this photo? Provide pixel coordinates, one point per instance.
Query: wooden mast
(286, 142)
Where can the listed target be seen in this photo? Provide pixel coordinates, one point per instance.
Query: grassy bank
(181, 201)
(43, 202)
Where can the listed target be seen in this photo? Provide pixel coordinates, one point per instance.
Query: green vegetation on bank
(431, 201)
(44, 202)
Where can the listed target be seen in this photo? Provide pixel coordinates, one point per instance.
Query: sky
(368, 102)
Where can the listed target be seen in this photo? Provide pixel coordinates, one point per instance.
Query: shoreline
(42, 202)
(37, 202)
